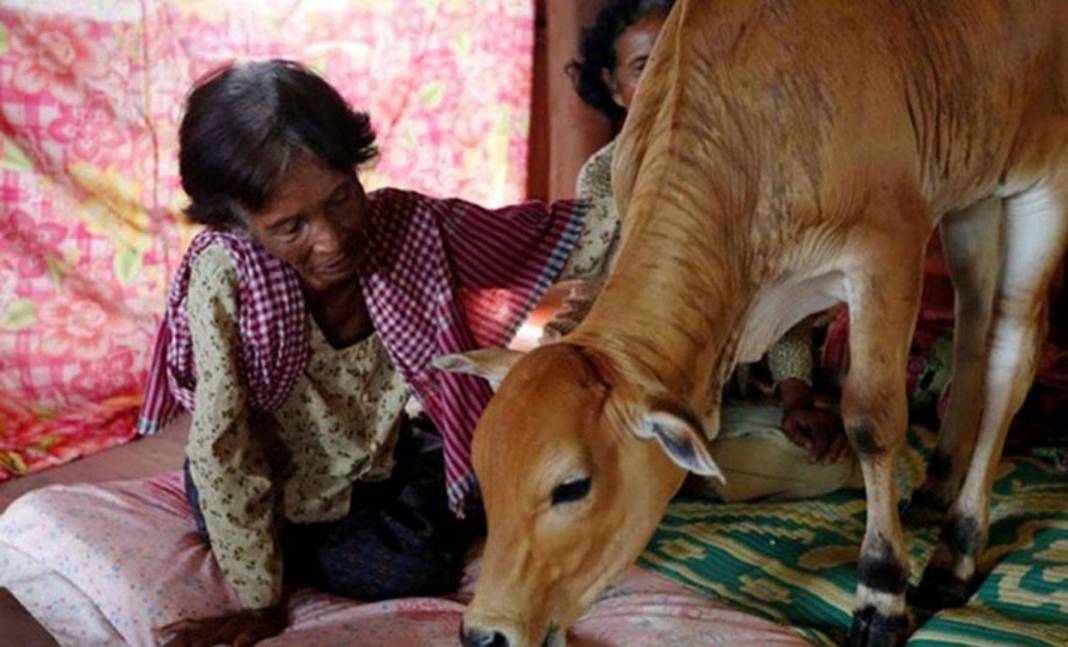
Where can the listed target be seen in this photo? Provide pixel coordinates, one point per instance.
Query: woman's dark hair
(597, 50)
(244, 122)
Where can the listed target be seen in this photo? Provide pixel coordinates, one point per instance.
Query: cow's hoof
(939, 589)
(873, 629)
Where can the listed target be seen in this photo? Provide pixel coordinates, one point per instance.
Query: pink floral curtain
(90, 231)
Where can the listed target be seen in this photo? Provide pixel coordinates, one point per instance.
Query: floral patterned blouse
(336, 426)
(331, 429)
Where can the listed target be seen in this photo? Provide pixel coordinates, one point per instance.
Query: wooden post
(564, 130)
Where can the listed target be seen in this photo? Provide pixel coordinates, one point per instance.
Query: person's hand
(241, 629)
(574, 309)
(818, 430)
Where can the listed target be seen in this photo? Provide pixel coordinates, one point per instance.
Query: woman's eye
(574, 490)
(292, 228)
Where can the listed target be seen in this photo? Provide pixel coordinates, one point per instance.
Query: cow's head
(576, 462)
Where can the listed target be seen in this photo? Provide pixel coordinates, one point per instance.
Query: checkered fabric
(447, 276)
(271, 321)
(438, 276)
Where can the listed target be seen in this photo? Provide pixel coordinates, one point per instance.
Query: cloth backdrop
(91, 93)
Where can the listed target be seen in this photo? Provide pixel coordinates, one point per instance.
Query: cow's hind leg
(971, 240)
(1034, 231)
(883, 293)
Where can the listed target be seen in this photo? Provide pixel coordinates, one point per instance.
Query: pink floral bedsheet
(130, 547)
(90, 99)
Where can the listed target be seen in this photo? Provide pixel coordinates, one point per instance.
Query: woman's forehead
(304, 180)
(639, 38)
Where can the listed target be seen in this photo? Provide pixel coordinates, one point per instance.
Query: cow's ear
(681, 435)
(492, 364)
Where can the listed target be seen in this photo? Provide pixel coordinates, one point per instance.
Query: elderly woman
(299, 323)
(612, 56)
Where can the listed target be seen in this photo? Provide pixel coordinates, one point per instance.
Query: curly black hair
(244, 122)
(597, 50)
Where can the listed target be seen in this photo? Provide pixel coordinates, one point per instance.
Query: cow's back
(794, 109)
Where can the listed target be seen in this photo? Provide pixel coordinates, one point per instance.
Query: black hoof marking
(961, 535)
(864, 440)
(939, 589)
(872, 629)
(883, 572)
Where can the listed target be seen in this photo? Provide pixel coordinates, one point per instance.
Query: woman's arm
(592, 255)
(575, 307)
(588, 264)
(790, 358)
(596, 245)
(595, 177)
(815, 428)
(229, 469)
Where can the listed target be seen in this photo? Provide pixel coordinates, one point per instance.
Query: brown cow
(782, 156)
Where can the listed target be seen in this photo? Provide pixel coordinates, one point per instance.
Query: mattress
(795, 563)
(104, 564)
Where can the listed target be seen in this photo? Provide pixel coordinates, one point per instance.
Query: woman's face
(632, 52)
(314, 221)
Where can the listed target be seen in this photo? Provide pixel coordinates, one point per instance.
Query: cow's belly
(779, 307)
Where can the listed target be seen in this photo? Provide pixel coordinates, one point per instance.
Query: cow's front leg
(883, 300)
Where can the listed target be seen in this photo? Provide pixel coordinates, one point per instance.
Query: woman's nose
(328, 239)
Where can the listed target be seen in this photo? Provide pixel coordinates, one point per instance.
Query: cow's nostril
(475, 637)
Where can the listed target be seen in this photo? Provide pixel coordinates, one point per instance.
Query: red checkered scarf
(271, 324)
(439, 277)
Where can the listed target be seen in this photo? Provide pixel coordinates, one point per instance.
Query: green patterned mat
(795, 562)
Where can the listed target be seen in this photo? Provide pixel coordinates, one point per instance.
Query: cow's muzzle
(478, 637)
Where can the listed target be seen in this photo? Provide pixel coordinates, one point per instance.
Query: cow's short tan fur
(782, 156)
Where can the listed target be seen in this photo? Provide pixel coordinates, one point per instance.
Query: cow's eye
(573, 490)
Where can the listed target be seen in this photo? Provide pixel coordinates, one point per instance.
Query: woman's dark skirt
(399, 538)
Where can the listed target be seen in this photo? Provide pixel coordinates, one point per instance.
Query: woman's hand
(818, 430)
(574, 309)
(241, 629)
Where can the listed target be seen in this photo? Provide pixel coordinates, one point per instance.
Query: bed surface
(103, 564)
(795, 562)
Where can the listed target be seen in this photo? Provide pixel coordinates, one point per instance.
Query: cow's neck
(669, 319)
